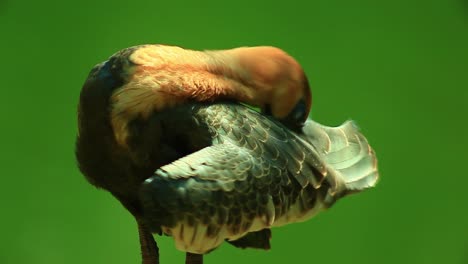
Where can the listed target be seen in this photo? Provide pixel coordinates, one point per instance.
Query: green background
(399, 68)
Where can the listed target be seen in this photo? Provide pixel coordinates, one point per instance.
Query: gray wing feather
(348, 155)
(256, 174)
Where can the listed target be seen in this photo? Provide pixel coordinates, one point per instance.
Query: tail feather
(346, 152)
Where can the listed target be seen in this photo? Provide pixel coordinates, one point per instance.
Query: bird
(161, 128)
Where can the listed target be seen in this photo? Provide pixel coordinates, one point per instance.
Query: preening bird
(160, 129)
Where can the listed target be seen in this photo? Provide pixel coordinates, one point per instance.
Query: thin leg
(191, 258)
(149, 248)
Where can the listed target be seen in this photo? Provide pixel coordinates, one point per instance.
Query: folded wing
(256, 174)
